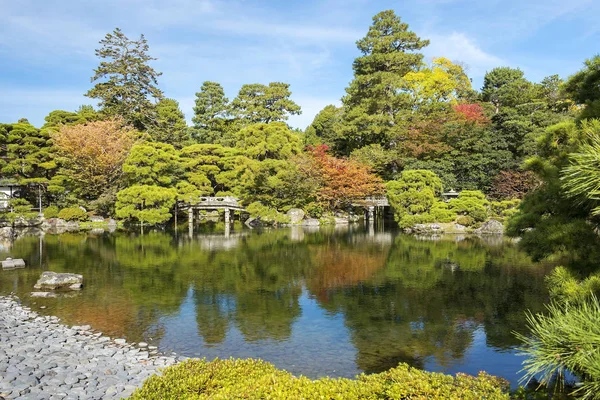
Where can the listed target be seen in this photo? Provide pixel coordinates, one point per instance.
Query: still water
(335, 302)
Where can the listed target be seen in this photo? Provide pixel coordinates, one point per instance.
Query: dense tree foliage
(127, 83)
(400, 114)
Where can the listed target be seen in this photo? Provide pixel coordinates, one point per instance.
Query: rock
(96, 218)
(434, 227)
(296, 215)
(6, 233)
(341, 221)
(142, 344)
(491, 227)
(112, 222)
(9, 263)
(52, 280)
(43, 294)
(459, 227)
(310, 222)
(120, 342)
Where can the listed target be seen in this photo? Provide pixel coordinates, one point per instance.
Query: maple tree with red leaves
(343, 180)
(472, 112)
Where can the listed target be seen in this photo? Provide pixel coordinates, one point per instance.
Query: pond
(335, 301)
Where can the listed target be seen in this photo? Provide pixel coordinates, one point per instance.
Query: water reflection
(330, 301)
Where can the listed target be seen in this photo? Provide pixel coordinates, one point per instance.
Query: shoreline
(41, 358)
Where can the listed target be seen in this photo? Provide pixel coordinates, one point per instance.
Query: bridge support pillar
(191, 221)
(227, 219)
(371, 214)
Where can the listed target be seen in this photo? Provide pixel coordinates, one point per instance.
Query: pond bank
(40, 358)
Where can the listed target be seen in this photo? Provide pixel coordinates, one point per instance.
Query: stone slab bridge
(373, 206)
(227, 203)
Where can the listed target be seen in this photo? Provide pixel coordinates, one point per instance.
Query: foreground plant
(566, 339)
(256, 379)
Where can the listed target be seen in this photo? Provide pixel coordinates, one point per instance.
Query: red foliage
(513, 184)
(343, 180)
(472, 112)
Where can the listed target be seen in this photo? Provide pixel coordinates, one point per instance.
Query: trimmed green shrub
(267, 214)
(413, 196)
(471, 203)
(256, 379)
(51, 212)
(73, 214)
(505, 208)
(465, 220)
(441, 212)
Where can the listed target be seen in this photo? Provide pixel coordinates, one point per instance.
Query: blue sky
(47, 46)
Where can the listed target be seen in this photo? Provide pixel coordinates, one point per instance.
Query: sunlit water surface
(322, 302)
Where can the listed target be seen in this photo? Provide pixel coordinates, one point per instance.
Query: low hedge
(256, 379)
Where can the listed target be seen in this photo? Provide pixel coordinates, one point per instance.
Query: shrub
(266, 213)
(471, 203)
(73, 214)
(51, 212)
(256, 379)
(441, 213)
(505, 208)
(465, 220)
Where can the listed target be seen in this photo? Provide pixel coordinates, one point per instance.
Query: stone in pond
(10, 263)
(43, 294)
(296, 215)
(53, 280)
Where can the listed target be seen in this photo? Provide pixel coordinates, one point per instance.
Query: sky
(47, 46)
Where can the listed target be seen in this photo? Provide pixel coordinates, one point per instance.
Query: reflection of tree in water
(255, 285)
(431, 296)
(403, 300)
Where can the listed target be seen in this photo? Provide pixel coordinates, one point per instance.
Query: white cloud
(461, 48)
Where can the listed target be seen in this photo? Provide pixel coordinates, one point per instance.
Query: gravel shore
(43, 359)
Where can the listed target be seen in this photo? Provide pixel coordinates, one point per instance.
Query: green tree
(169, 126)
(584, 88)
(256, 103)
(499, 83)
(414, 198)
(375, 100)
(28, 155)
(148, 204)
(152, 164)
(262, 141)
(211, 114)
(323, 129)
(127, 83)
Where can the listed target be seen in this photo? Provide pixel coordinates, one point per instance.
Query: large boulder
(310, 222)
(54, 280)
(10, 263)
(296, 215)
(491, 227)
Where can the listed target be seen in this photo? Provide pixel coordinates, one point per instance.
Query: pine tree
(375, 99)
(211, 113)
(127, 83)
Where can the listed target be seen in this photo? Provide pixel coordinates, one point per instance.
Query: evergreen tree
(127, 83)
(170, 126)
(257, 103)
(375, 100)
(211, 114)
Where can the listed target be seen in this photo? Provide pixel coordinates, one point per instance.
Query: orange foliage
(343, 267)
(424, 139)
(472, 112)
(94, 153)
(343, 180)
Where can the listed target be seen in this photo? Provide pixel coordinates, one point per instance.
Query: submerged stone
(53, 280)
